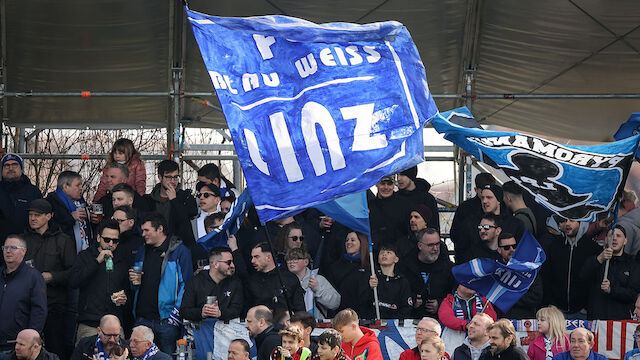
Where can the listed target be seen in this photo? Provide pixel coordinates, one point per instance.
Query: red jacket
(414, 354)
(137, 179)
(368, 342)
(448, 317)
(537, 350)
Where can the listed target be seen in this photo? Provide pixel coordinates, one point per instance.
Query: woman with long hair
(289, 237)
(553, 337)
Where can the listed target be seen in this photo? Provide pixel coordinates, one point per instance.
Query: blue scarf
(353, 258)
(80, 228)
(152, 351)
(102, 355)
(468, 314)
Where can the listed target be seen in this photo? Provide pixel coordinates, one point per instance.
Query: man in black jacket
(612, 297)
(386, 216)
(109, 335)
(504, 343)
(220, 282)
(264, 286)
(102, 279)
(130, 234)
(29, 347)
(23, 299)
(413, 191)
(52, 252)
(16, 192)
(259, 323)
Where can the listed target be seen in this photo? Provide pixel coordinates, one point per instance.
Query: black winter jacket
(429, 281)
(266, 341)
(386, 217)
(351, 280)
(130, 242)
(229, 294)
(53, 252)
(624, 277)
(23, 302)
(64, 219)
(44, 355)
(510, 353)
(178, 211)
(96, 285)
(264, 289)
(420, 195)
(15, 197)
(86, 348)
(394, 295)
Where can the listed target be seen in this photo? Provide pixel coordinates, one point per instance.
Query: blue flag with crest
(232, 222)
(629, 128)
(316, 111)
(502, 284)
(575, 182)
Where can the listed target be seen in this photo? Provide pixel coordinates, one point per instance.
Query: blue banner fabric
(502, 284)
(316, 111)
(231, 225)
(629, 128)
(575, 182)
(349, 210)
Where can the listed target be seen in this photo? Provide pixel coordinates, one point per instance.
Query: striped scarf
(467, 312)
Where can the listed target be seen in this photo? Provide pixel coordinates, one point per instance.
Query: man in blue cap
(16, 193)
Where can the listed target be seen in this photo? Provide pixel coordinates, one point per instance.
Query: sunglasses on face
(486, 227)
(297, 238)
(206, 195)
(228, 262)
(108, 240)
(508, 247)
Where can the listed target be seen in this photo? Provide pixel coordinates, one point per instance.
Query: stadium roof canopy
(588, 48)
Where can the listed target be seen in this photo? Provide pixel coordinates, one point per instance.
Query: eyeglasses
(206, 195)
(120, 220)
(106, 336)
(108, 240)
(507, 247)
(174, 177)
(134, 341)
(423, 330)
(228, 262)
(297, 238)
(12, 247)
(430, 245)
(486, 227)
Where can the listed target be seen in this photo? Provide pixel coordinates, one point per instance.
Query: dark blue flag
(316, 111)
(630, 128)
(575, 182)
(502, 284)
(232, 221)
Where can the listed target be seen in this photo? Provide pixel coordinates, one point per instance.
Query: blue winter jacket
(176, 271)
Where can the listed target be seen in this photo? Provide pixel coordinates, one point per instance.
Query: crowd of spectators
(72, 270)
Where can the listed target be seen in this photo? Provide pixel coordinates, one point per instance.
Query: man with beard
(413, 191)
(489, 230)
(259, 323)
(16, 192)
(108, 337)
(503, 341)
(612, 297)
(429, 274)
(476, 343)
(219, 282)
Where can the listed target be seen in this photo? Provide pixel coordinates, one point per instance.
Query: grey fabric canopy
(507, 47)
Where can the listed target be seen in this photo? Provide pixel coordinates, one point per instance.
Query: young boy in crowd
(358, 342)
(292, 345)
(329, 346)
(394, 291)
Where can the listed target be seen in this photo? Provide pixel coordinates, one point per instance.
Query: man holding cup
(216, 293)
(101, 278)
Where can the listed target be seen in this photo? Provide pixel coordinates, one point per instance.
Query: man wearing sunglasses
(489, 230)
(101, 284)
(208, 196)
(526, 307)
(219, 282)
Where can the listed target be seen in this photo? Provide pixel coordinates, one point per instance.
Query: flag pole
(373, 273)
(273, 256)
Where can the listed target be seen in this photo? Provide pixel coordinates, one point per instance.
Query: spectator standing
(457, 309)
(166, 267)
(52, 252)
(419, 218)
(580, 347)
(612, 298)
(259, 323)
(553, 337)
(426, 326)
(476, 344)
(489, 230)
(210, 174)
(70, 209)
(130, 236)
(220, 282)
(23, 299)
(16, 193)
(320, 296)
(394, 292)
(513, 198)
(29, 347)
(386, 216)
(124, 152)
(119, 192)
(413, 190)
(289, 237)
(356, 340)
(503, 340)
(102, 279)
(208, 200)
(143, 347)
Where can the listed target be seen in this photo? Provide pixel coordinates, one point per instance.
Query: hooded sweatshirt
(369, 343)
(466, 351)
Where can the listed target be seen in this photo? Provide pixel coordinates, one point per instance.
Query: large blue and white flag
(316, 111)
(349, 210)
(631, 127)
(575, 182)
(232, 222)
(502, 284)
